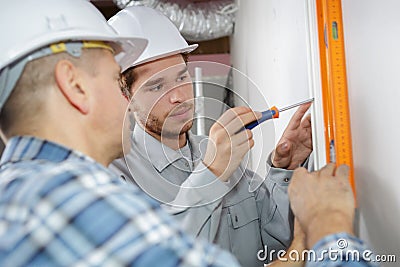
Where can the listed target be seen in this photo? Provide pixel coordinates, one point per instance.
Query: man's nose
(178, 94)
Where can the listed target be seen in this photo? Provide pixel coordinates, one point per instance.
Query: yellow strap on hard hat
(97, 44)
(61, 47)
(58, 48)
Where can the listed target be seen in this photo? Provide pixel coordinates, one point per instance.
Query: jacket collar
(160, 155)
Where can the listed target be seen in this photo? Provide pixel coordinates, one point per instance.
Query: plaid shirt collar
(25, 148)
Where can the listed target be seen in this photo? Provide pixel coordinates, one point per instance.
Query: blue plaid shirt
(59, 207)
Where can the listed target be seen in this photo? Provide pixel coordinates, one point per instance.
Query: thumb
(343, 171)
(342, 174)
(282, 149)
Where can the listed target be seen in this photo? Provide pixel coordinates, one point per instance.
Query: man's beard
(159, 126)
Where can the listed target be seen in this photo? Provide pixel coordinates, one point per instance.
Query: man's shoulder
(42, 177)
(59, 183)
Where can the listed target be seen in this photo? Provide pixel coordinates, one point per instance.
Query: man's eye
(156, 87)
(181, 78)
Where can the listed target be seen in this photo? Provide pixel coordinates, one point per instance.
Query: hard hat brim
(184, 50)
(127, 49)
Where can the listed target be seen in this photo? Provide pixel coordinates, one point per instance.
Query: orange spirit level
(334, 85)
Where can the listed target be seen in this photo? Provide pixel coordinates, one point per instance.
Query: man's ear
(69, 81)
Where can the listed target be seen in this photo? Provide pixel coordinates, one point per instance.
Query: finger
(281, 156)
(306, 122)
(327, 170)
(240, 121)
(240, 151)
(231, 114)
(245, 147)
(298, 115)
(241, 137)
(342, 171)
(283, 149)
(342, 174)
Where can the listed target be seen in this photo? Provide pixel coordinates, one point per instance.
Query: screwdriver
(273, 113)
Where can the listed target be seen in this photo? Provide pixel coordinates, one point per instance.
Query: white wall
(270, 46)
(372, 35)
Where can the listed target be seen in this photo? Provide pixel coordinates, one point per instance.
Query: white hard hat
(164, 38)
(29, 25)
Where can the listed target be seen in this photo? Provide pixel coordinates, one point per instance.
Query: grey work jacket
(225, 213)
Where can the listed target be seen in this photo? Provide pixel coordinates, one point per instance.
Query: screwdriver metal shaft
(296, 105)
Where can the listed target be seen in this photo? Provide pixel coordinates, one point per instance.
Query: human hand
(227, 144)
(299, 237)
(295, 144)
(322, 201)
(298, 244)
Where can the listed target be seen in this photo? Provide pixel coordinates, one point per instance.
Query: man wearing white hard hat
(61, 117)
(203, 184)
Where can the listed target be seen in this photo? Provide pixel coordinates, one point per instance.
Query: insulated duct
(197, 21)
